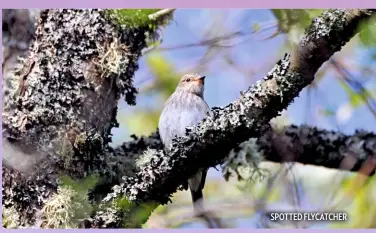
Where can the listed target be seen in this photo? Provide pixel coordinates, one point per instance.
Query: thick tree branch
(326, 35)
(302, 144)
(312, 146)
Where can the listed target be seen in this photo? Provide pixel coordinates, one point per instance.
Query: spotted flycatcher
(186, 107)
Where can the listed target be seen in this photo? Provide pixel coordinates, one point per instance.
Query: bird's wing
(207, 109)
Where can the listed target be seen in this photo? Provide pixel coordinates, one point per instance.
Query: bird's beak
(201, 79)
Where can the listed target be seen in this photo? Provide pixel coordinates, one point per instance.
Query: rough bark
(312, 146)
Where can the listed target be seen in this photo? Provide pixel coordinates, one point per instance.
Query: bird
(186, 107)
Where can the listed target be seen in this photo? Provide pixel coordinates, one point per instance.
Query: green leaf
(139, 214)
(81, 189)
(361, 202)
(356, 100)
(80, 186)
(122, 203)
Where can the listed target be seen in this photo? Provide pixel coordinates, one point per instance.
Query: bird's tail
(199, 211)
(197, 199)
(196, 185)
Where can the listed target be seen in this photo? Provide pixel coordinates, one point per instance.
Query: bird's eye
(188, 80)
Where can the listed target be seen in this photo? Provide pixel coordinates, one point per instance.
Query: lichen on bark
(61, 88)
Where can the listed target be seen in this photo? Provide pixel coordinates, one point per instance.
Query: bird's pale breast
(181, 112)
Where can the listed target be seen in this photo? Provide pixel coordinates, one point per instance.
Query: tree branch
(302, 144)
(312, 146)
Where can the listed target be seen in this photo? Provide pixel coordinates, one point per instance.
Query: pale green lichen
(58, 211)
(10, 217)
(113, 58)
(145, 157)
(67, 207)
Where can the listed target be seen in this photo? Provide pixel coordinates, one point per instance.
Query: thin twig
(161, 13)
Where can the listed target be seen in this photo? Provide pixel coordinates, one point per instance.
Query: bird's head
(192, 83)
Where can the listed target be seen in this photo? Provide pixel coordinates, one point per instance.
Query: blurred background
(234, 48)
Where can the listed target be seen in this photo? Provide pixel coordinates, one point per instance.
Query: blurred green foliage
(165, 76)
(357, 99)
(133, 18)
(293, 23)
(144, 120)
(360, 197)
(292, 19)
(135, 215)
(327, 112)
(367, 34)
